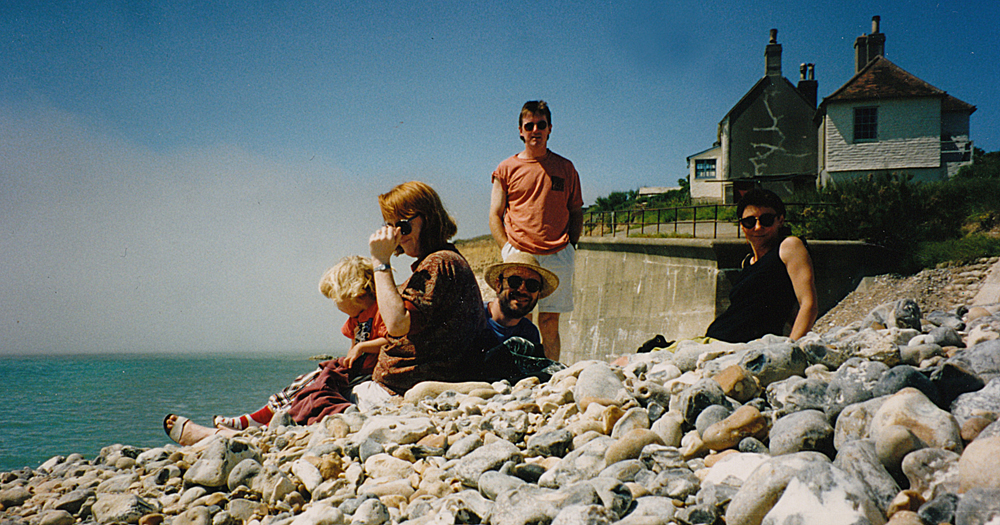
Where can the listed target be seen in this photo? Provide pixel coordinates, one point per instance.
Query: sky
(176, 176)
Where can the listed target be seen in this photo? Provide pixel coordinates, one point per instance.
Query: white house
(886, 120)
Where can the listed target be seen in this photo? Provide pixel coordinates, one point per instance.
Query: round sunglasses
(515, 282)
(530, 126)
(766, 221)
(405, 228)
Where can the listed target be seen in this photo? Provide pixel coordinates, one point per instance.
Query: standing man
(536, 207)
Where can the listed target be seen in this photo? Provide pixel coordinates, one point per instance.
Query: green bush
(962, 251)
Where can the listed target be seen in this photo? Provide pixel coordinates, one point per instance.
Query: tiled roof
(881, 79)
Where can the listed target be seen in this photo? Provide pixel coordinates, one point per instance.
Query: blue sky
(175, 176)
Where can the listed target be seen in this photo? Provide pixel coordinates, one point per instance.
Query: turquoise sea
(57, 405)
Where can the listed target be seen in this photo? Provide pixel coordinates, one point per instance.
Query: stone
(911, 409)
(492, 483)
(549, 443)
(647, 392)
(243, 473)
(858, 458)
(979, 466)
(582, 463)
(981, 402)
(904, 313)
(650, 510)
(797, 393)
(774, 362)
(939, 510)
(852, 383)
(614, 495)
(670, 428)
(952, 380)
(395, 429)
(599, 381)
(56, 517)
(902, 376)
(905, 517)
(745, 422)
(892, 444)
(630, 445)
(193, 516)
(585, 515)
(807, 430)
(487, 457)
(370, 512)
(73, 501)
(433, 389)
(873, 345)
(752, 444)
(802, 487)
(272, 484)
(121, 508)
(635, 418)
(710, 416)
(734, 467)
(855, 420)
(218, 460)
(698, 397)
(385, 466)
(982, 359)
(464, 446)
(978, 507)
(914, 354)
(932, 471)
(737, 384)
(14, 496)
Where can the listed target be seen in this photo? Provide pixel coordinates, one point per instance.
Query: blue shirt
(524, 328)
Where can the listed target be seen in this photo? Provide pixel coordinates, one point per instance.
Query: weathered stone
(978, 506)
(797, 393)
(774, 362)
(218, 460)
(736, 383)
(807, 430)
(932, 471)
(911, 409)
(858, 458)
(745, 422)
(121, 508)
(979, 466)
(488, 457)
(599, 381)
(698, 397)
(395, 429)
(903, 376)
(630, 445)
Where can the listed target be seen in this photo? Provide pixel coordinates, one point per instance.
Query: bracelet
(384, 267)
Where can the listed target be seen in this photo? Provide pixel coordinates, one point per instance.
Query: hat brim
(549, 280)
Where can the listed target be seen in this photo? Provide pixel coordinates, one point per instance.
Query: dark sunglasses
(530, 126)
(405, 228)
(515, 282)
(766, 220)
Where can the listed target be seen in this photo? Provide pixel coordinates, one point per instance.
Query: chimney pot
(875, 22)
(774, 36)
(802, 71)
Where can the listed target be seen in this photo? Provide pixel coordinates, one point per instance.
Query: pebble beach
(888, 417)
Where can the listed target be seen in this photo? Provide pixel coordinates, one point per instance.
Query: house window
(865, 124)
(704, 169)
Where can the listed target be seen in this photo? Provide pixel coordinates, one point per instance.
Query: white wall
(909, 136)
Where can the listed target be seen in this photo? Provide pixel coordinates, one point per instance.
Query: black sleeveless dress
(761, 301)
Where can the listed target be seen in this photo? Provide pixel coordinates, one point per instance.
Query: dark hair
(760, 198)
(534, 107)
(413, 198)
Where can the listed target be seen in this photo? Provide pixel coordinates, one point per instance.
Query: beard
(509, 309)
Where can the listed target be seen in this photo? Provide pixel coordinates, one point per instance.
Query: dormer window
(865, 124)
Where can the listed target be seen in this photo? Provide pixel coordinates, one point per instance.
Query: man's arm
(498, 205)
(800, 270)
(575, 225)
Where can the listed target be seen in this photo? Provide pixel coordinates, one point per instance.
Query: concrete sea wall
(627, 290)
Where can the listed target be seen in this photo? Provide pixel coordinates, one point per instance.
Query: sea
(58, 405)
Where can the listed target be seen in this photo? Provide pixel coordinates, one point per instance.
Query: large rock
(122, 508)
(599, 382)
(979, 466)
(400, 430)
(807, 430)
(218, 460)
(983, 359)
(801, 488)
(489, 457)
(774, 362)
(911, 409)
(853, 383)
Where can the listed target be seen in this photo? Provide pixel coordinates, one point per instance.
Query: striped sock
(259, 418)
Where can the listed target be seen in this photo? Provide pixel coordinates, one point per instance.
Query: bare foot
(191, 432)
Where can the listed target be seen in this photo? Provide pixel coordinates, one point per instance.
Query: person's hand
(383, 243)
(352, 355)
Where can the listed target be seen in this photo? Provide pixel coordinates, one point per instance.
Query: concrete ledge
(626, 290)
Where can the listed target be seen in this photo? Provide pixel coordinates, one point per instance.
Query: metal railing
(696, 220)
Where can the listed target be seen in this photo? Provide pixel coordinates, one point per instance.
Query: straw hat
(525, 260)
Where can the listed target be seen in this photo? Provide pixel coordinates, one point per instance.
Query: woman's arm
(382, 245)
(794, 254)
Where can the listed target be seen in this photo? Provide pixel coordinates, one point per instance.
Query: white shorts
(560, 263)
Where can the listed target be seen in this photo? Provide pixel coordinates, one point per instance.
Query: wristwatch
(384, 267)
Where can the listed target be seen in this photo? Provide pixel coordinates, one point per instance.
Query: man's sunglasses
(515, 282)
(766, 220)
(530, 126)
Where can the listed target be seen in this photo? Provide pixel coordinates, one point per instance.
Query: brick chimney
(772, 56)
(867, 47)
(807, 82)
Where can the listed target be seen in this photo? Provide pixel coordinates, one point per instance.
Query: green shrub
(962, 251)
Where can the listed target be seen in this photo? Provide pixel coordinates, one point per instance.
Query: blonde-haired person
(435, 320)
(326, 390)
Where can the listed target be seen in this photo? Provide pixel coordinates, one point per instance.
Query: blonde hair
(413, 198)
(352, 277)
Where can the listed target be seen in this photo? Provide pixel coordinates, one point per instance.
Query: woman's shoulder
(792, 247)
